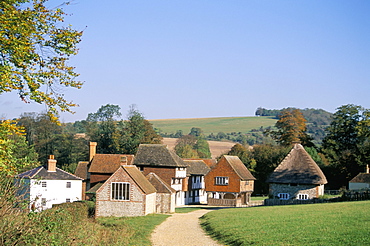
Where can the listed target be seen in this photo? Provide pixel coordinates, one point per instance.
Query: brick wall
(105, 206)
(165, 173)
(222, 169)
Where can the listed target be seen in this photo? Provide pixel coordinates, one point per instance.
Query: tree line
(344, 152)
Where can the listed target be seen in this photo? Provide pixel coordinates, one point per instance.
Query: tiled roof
(196, 167)
(94, 188)
(81, 169)
(239, 167)
(361, 178)
(139, 179)
(108, 163)
(42, 173)
(157, 155)
(159, 184)
(298, 167)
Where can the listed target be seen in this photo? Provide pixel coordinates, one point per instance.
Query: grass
(344, 223)
(186, 209)
(131, 230)
(214, 125)
(258, 198)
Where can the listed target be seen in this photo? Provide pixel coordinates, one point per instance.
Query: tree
(35, 48)
(102, 128)
(346, 144)
(134, 131)
(202, 148)
(291, 127)
(15, 155)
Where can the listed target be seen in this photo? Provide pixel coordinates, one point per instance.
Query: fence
(222, 202)
(277, 202)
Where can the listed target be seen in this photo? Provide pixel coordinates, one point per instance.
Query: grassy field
(345, 223)
(214, 125)
(129, 230)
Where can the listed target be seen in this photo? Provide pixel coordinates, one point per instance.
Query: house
(196, 171)
(126, 193)
(158, 159)
(47, 185)
(297, 177)
(165, 201)
(229, 183)
(99, 168)
(361, 181)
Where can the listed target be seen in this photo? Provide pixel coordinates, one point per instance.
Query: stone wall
(293, 190)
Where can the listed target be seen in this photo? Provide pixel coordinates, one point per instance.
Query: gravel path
(182, 229)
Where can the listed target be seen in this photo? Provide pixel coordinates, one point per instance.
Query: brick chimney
(92, 150)
(123, 160)
(52, 164)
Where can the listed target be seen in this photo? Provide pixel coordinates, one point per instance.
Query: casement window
(302, 196)
(283, 196)
(43, 184)
(68, 185)
(120, 191)
(68, 199)
(43, 201)
(221, 180)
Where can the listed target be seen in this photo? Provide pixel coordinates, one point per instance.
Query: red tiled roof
(108, 163)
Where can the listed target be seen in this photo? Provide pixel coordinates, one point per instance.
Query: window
(43, 201)
(283, 196)
(120, 191)
(222, 180)
(68, 199)
(302, 196)
(43, 184)
(69, 185)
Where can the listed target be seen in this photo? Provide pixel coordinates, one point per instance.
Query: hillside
(213, 125)
(217, 148)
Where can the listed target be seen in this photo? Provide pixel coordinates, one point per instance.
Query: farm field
(213, 125)
(344, 223)
(217, 148)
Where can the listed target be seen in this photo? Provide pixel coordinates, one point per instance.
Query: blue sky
(190, 59)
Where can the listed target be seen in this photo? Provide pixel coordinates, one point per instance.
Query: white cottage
(44, 186)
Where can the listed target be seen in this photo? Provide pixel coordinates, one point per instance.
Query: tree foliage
(291, 127)
(15, 155)
(35, 49)
(347, 144)
(192, 146)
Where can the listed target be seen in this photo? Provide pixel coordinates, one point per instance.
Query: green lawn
(129, 230)
(345, 223)
(214, 125)
(186, 209)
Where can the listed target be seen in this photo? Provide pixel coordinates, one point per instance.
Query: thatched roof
(159, 184)
(240, 169)
(196, 167)
(298, 168)
(361, 178)
(109, 163)
(157, 155)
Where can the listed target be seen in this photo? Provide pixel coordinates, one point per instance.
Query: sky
(215, 58)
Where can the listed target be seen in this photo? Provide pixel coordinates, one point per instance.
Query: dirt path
(182, 229)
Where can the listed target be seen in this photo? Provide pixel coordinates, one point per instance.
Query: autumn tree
(190, 146)
(291, 127)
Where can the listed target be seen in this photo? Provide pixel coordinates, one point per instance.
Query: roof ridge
(68, 173)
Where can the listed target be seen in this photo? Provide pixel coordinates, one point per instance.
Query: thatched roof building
(298, 168)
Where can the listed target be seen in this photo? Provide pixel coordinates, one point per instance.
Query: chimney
(123, 160)
(367, 168)
(52, 164)
(92, 150)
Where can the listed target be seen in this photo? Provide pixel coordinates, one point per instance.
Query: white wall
(55, 192)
